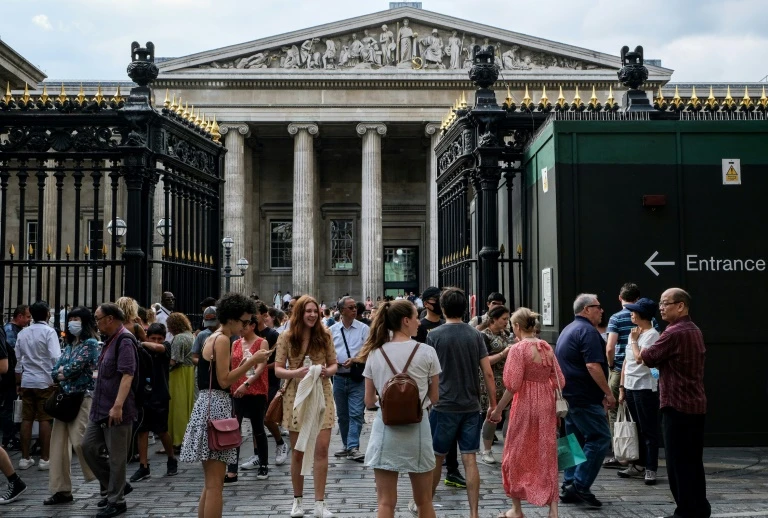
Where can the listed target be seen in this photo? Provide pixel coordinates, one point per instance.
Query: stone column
(304, 208)
(432, 131)
(236, 224)
(371, 263)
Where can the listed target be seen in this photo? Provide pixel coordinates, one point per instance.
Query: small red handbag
(223, 434)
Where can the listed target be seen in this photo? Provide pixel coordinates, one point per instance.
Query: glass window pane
(400, 264)
(95, 238)
(281, 244)
(342, 244)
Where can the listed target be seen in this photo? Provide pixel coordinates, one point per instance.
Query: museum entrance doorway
(401, 270)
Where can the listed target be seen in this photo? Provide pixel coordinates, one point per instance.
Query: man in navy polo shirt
(580, 352)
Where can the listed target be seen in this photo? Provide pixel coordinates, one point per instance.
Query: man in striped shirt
(679, 354)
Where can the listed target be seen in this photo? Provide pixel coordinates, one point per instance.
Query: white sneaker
(281, 454)
(26, 463)
(413, 508)
(252, 463)
(487, 457)
(43, 465)
(297, 511)
(321, 510)
(283, 431)
(151, 439)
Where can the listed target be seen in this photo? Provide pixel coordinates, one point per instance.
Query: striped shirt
(679, 354)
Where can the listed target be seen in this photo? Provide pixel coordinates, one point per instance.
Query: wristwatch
(247, 384)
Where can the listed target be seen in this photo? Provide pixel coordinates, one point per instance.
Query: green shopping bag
(569, 452)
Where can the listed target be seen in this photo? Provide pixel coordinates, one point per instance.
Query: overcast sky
(702, 40)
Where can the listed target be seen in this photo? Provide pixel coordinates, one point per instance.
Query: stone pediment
(397, 40)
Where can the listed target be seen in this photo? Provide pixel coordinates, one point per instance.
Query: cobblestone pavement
(737, 486)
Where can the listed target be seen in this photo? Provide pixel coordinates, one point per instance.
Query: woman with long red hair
(306, 343)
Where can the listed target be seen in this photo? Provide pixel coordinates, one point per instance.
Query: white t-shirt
(424, 365)
(287, 298)
(636, 376)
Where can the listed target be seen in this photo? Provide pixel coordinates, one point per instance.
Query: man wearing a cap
(679, 354)
(210, 323)
(205, 303)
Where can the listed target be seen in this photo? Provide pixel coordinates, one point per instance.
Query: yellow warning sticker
(731, 171)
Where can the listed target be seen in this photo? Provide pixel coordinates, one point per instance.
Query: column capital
(311, 127)
(378, 127)
(431, 128)
(241, 128)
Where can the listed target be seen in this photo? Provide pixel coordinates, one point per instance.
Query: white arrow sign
(650, 263)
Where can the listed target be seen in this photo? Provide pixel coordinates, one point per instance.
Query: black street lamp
(120, 228)
(242, 263)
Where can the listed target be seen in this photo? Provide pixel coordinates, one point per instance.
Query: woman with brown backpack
(405, 374)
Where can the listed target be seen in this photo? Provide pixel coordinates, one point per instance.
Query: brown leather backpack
(400, 402)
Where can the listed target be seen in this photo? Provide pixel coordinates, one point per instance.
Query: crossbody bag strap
(344, 337)
(210, 374)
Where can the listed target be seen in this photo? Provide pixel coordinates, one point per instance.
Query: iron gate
(79, 182)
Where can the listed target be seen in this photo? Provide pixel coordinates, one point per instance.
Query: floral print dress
(496, 344)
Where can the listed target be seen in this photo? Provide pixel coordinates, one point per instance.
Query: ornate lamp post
(242, 263)
(120, 229)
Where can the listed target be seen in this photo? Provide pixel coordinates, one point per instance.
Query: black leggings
(252, 407)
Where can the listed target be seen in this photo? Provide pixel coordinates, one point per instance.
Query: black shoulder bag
(356, 369)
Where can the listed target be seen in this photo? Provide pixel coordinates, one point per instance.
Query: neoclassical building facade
(330, 171)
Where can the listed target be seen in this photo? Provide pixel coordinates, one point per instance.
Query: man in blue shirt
(349, 335)
(580, 352)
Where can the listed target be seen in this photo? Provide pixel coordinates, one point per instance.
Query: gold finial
(466, 250)
(527, 103)
(509, 102)
(166, 103)
(502, 249)
(729, 103)
(8, 97)
(519, 249)
(711, 103)
(677, 101)
(49, 250)
(117, 99)
(561, 103)
(746, 101)
(68, 251)
(30, 250)
(98, 97)
(660, 103)
(610, 103)
(174, 106)
(26, 97)
(544, 103)
(81, 95)
(44, 96)
(183, 257)
(210, 260)
(594, 103)
(763, 102)
(62, 95)
(12, 250)
(191, 115)
(162, 253)
(208, 124)
(176, 255)
(694, 103)
(104, 250)
(198, 119)
(182, 110)
(215, 131)
(86, 250)
(463, 100)
(577, 104)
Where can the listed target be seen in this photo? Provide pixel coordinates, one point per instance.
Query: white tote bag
(626, 444)
(17, 405)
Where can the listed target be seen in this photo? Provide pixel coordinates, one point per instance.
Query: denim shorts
(462, 427)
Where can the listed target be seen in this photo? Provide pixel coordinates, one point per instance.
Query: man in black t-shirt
(270, 335)
(154, 415)
(433, 319)
(7, 393)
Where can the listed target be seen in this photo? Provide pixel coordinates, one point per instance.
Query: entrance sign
(546, 297)
(731, 171)
(695, 264)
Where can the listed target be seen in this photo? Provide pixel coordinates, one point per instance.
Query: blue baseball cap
(645, 307)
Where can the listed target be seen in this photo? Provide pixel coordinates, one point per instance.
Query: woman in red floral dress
(529, 463)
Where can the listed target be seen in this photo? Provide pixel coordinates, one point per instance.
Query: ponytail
(389, 318)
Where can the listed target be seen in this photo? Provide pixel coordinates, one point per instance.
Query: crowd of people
(123, 376)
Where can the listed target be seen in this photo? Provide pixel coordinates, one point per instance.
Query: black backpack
(142, 380)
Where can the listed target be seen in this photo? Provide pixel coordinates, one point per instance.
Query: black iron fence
(86, 185)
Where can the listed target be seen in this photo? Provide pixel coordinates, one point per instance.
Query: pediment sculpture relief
(408, 46)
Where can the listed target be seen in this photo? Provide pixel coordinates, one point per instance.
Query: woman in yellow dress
(181, 380)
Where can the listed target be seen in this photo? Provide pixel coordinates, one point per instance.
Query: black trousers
(644, 407)
(252, 407)
(684, 447)
(452, 459)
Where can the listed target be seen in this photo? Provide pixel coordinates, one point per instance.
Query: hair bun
(531, 321)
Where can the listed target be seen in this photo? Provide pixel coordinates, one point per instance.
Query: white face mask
(75, 327)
